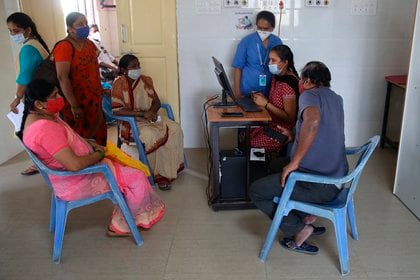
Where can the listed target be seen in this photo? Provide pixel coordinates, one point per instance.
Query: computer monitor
(224, 83)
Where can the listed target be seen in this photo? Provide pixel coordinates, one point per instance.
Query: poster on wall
(208, 7)
(244, 20)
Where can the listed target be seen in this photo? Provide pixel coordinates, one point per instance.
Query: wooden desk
(398, 81)
(216, 121)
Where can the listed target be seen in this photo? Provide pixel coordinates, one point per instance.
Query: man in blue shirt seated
(251, 58)
(318, 148)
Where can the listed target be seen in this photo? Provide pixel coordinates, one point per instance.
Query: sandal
(164, 187)
(305, 248)
(117, 233)
(318, 230)
(31, 170)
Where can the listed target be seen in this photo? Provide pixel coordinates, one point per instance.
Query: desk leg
(247, 154)
(386, 110)
(214, 134)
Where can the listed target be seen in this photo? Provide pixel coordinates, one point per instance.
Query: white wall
(9, 144)
(359, 50)
(407, 179)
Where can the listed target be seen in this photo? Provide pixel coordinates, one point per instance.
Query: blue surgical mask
(82, 32)
(18, 38)
(274, 69)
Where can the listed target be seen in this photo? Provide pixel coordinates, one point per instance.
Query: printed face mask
(55, 105)
(18, 38)
(133, 74)
(274, 69)
(263, 34)
(82, 32)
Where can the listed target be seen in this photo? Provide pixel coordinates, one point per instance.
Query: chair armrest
(169, 111)
(305, 177)
(98, 168)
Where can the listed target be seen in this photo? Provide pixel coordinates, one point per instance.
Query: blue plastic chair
(335, 210)
(61, 208)
(106, 106)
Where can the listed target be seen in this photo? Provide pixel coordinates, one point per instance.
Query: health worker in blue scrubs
(252, 55)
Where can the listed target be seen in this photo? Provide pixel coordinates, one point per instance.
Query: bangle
(101, 153)
(266, 104)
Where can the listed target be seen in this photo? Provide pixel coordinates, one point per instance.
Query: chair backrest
(43, 169)
(365, 152)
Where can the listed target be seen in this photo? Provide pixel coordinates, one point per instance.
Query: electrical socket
(363, 7)
(317, 3)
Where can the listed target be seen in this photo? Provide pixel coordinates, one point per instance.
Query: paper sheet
(16, 119)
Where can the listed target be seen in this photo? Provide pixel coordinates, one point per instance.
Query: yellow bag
(113, 153)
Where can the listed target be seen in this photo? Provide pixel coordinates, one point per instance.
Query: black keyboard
(248, 105)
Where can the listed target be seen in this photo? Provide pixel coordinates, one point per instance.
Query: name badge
(263, 80)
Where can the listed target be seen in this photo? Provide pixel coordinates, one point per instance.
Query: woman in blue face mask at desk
(252, 55)
(281, 103)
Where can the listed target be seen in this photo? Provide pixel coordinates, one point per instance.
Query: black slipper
(164, 187)
(305, 248)
(318, 230)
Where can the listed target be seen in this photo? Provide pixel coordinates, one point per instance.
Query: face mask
(18, 38)
(263, 34)
(55, 105)
(133, 74)
(96, 36)
(274, 69)
(82, 32)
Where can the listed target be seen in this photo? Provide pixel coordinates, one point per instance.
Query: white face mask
(96, 36)
(134, 74)
(263, 34)
(18, 38)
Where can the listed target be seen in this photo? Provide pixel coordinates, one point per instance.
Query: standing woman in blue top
(31, 54)
(33, 51)
(251, 59)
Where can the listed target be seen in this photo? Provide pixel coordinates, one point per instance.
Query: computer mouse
(259, 154)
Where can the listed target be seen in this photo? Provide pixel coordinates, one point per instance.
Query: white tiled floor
(193, 242)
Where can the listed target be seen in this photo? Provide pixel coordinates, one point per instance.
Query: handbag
(47, 71)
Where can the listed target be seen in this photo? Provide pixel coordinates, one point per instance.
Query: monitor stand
(224, 103)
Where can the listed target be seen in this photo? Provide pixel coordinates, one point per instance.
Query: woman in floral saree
(133, 94)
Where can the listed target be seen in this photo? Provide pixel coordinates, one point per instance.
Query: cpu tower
(233, 175)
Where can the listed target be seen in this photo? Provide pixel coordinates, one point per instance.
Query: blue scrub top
(253, 58)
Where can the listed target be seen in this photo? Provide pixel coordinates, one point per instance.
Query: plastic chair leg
(352, 219)
(52, 214)
(60, 227)
(130, 221)
(271, 235)
(151, 180)
(340, 227)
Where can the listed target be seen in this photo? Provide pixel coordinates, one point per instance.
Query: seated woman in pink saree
(60, 147)
(134, 95)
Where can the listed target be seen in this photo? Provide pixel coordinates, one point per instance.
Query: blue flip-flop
(305, 248)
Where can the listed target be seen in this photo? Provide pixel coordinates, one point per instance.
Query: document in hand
(16, 119)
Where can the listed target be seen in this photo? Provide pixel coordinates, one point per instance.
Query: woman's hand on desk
(259, 99)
